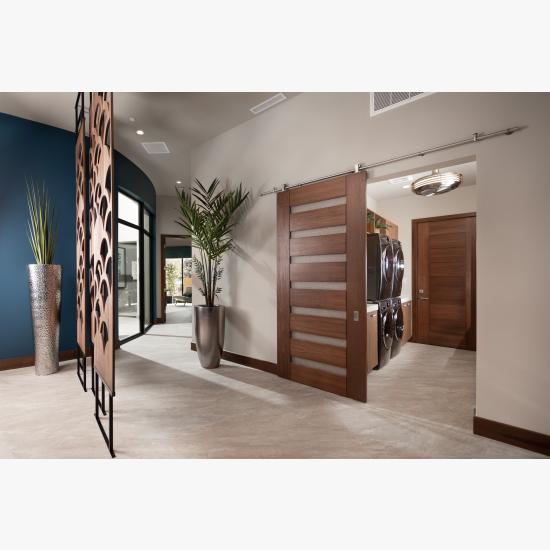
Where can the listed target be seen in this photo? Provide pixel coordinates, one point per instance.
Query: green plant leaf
(209, 215)
(42, 224)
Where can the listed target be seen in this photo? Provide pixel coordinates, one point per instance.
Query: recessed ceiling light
(131, 119)
(140, 132)
(178, 182)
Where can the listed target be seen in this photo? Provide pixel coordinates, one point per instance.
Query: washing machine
(398, 268)
(398, 326)
(385, 332)
(380, 264)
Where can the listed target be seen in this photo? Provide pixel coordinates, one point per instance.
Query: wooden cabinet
(372, 340)
(382, 225)
(407, 321)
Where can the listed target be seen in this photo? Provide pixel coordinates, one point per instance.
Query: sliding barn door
(102, 236)
(321, 289)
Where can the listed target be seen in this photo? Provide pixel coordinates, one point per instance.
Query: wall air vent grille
(268, 103)
(156, 147)
(384, 101)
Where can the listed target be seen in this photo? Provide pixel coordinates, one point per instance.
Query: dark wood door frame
(414, 299)
(163, 237)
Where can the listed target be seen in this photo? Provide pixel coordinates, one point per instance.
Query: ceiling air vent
(384, 101)
(268, 103)
(156, 147)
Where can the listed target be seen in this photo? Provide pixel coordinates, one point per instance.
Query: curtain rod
(359, 167)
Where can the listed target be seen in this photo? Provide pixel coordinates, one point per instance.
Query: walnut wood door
(321, 287)
(444, 275)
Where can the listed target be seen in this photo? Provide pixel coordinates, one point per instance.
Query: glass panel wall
(128, 209)
(146, 280)
(128, 282)
(146, 221)
(134, 268)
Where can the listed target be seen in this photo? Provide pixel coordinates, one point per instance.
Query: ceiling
(393, 188)
(182, 120)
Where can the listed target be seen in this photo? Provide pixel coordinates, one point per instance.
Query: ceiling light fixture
(178, 182)
(140, 132)
(436, 183)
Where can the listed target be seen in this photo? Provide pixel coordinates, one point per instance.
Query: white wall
(372, 203)
(166, 214)
(319, 133)
(403, 210)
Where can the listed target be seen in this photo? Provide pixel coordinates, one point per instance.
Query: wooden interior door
(444, 281)
(321, 285)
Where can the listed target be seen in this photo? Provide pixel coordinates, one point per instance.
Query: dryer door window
(387, 329)
(398, 320)
(387, 270)
(399, 265)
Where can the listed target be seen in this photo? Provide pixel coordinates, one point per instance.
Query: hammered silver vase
(45, 293)
(209, 327)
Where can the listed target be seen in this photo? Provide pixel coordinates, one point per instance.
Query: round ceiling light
(436, 183)
(140, 132)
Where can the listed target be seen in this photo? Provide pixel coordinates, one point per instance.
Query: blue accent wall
(46, 154)
(134, 182)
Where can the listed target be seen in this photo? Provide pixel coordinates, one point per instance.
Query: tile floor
(167, 406)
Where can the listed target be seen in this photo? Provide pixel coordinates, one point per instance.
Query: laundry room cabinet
(382, 225)
(407, 321)
(372, 339)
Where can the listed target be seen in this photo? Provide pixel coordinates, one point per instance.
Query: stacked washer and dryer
(385, 268)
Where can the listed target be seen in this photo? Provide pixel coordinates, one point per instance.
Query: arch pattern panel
(81, 238)
(102, 202)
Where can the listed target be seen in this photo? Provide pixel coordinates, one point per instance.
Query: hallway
(167, 406)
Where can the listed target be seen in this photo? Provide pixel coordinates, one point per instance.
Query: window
(134, 274)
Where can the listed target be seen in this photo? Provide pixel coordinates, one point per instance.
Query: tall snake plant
(42, 224)
(209, 216)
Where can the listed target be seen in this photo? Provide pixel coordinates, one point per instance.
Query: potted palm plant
(44, 281)
(208, 215)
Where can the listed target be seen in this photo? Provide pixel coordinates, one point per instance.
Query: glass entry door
(134, 269)
(128, 282)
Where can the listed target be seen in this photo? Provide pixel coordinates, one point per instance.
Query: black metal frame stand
(81, 367)
(100, 407)
(100, 412)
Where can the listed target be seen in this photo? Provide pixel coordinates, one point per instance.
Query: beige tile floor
(420, 406)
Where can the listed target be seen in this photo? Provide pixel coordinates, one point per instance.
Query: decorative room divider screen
(102, 204)
(82, 321)
(321, 285)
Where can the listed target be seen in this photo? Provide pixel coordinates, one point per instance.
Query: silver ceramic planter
(45, 293)
(209, 327)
